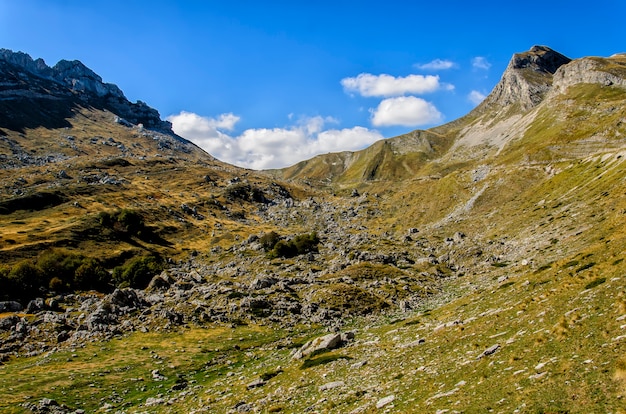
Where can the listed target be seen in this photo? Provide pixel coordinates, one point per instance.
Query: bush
(90, 275)
(7, 287)
(25, 279)
(269, 240)
(302, 244)
(57, 285)
(124, 222)
(306, 243)
(284, 249)
(59, 264)
(137, 272)
(245, 192)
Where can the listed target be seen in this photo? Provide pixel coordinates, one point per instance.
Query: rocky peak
(69, 81)
(81, 79)
(527, 78)
(24, 61)
(540, 59)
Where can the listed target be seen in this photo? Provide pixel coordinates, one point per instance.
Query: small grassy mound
(348, 298)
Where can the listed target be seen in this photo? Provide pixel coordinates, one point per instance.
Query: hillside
(474, 267)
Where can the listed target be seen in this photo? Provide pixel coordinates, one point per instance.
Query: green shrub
(57, 285)
(59, 264)
(123, 222)
(269, 240)
(301, 244)
(306, 243)
(596, 282)
(25, 280)
(245, 192)
(90, 275)
(7, 287)
(284, 249)
(137, 272)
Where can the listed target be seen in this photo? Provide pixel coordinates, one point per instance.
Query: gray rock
(323, 344)
(9, 322)
(35, 305)
(262, 283)
(331, 385)
(385, 401)
(151, 402)
(256, 383)
(489, 351)
(10, 306)
(243, 407)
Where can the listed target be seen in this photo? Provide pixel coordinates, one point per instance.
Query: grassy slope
(155, 182)
(553, 296)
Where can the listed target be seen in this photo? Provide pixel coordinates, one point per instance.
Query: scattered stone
(323, 344)
(10, 306)
(489, 351)
(243, 407)
(358, 364)
(63, 175)
(256, 383)
(157, 376)
(150, 402)
(331, 385)
(385, 401)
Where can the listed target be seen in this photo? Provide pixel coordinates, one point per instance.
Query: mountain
(533, 82)
(34, 94)
(474, 267)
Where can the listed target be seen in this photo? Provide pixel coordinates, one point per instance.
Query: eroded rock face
(527, 78)
(69, 81)
(591, 70)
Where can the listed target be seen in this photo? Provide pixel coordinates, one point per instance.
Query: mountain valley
(473, 267)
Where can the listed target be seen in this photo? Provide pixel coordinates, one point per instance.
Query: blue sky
(267, 84)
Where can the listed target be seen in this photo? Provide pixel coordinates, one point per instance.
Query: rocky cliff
(527, 78)
(46, 96)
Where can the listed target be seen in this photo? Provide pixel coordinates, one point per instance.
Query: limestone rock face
(80, 79)
(31, 84)
(527, 78)
(604, 71)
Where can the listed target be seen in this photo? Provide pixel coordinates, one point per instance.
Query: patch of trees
(123, 222)
(54, 271)
(58, 271)
(137, 272)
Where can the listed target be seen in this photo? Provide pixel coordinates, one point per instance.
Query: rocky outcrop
(603, 71)
(48, 94)
(527, 78)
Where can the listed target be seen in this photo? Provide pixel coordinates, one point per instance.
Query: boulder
(323, 344)
(9, 322)
(10, 306)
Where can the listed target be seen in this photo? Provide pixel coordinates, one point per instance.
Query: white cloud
(437, 64)
(263, 148)
(480, 62)
(406, 111)
(476, 97)
(367, 84)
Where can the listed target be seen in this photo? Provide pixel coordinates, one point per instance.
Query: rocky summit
(473, 267)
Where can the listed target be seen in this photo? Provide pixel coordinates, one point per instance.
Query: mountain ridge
(530, 78)
(74, 85)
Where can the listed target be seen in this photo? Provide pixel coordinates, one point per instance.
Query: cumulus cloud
(406, 111)
(480, 62)
(367, 84)
(263, 148)
(437, 64)
(476, 97)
